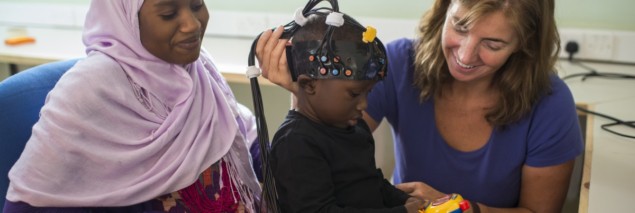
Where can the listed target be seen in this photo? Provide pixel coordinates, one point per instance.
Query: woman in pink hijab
(144, 123)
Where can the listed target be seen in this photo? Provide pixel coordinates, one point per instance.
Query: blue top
(548, 135)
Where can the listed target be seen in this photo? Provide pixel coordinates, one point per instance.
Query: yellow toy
(451, 203)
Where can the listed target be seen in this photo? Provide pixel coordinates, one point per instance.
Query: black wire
(572, 48)
(615, 122)
(594, 73)
(269, 194)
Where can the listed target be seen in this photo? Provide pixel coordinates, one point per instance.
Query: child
(322, 156)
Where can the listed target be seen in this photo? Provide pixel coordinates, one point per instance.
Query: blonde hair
(524, 77)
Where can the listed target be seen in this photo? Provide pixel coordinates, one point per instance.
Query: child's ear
(307, 84)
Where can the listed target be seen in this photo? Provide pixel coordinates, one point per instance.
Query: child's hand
(420, 190)
(413, 205)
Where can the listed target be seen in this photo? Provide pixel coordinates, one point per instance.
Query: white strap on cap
(335, 19)
(299, 17)
(253, 72)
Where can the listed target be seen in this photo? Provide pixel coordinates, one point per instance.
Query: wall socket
(599, 44)
(593, 44)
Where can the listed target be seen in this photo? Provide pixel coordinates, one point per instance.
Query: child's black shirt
(325, 169)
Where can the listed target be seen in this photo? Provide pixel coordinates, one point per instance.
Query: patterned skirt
(205, 195)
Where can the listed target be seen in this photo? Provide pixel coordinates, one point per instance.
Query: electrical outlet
(571, 35)
(593, 44)
(598, 45)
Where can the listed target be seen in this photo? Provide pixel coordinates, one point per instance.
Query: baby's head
(350, 51)
(335, 70)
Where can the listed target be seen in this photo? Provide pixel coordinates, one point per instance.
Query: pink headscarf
(123, 126)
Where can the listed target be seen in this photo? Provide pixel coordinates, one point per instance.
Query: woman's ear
(307, 84)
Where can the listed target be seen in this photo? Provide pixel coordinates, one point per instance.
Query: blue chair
(21, 97)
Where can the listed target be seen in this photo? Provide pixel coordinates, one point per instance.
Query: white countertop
(230, 54)
(611, 159)
(610, 165)
(596, 90)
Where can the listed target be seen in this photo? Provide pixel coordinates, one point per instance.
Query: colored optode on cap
(357, 59)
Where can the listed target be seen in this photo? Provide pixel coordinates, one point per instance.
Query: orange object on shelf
(19, 40)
